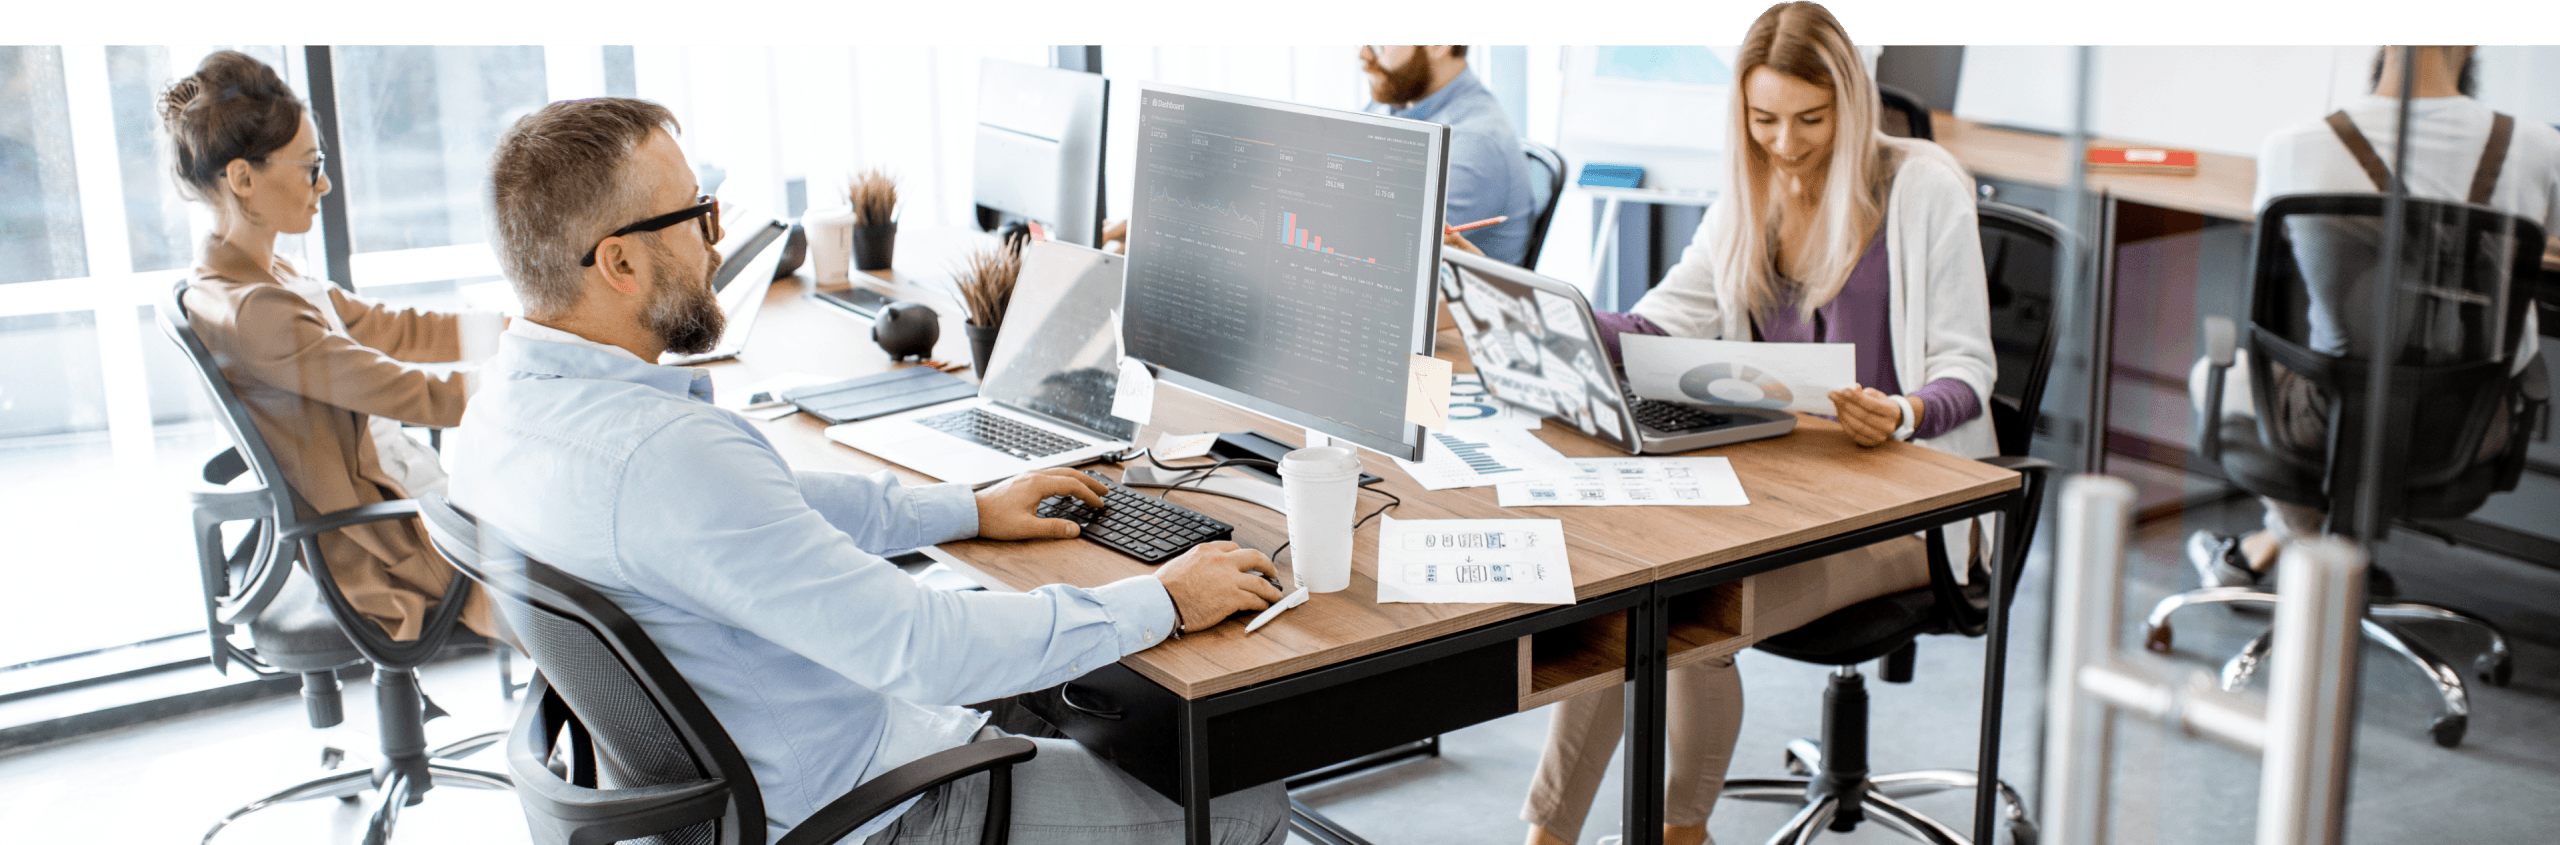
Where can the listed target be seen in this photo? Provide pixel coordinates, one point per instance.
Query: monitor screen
(1281, 258)
(1039, 147)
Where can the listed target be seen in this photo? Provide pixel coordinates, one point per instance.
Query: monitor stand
(1255, 484)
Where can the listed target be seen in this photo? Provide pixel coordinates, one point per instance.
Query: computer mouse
(907, 330)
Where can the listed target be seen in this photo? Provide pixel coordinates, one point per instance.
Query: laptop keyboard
(1673, 416)
(993, 431)
(1138, 525)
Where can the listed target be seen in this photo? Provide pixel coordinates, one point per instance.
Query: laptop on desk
(745, 274)
(1535, 344)
(1046, 397)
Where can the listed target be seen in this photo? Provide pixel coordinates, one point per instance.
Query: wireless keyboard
(1138, 525)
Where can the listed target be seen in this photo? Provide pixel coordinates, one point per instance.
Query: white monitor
(1039, 154)
(1282, 258)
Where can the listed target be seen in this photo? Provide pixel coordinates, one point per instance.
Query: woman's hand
(1869, 415)
(1459, 241)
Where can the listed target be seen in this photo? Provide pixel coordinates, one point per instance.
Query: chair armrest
(881, 794)
(2221, 343)
(224, 466)
(358, 515)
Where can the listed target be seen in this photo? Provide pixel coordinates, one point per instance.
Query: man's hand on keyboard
(1009, 510)
(1217, 579)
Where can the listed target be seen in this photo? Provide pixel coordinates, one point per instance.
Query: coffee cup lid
(1320, 460)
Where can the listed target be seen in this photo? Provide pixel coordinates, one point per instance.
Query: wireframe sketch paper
(1481, 457)
(1473, 560)
(1793, 376)
(1604, 482)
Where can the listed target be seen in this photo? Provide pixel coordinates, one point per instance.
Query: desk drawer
(1136, 724)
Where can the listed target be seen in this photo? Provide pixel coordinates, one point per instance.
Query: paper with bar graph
(1481, 456)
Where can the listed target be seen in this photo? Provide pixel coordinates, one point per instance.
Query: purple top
(1861, 314)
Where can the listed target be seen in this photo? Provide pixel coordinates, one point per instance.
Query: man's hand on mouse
(1215, 580)
(1010, 509)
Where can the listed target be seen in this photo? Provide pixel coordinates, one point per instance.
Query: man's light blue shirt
(826, 664)
(1488, 172)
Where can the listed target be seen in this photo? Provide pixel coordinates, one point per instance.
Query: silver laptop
(747, 262)
(1046, 397)
(1535, 344)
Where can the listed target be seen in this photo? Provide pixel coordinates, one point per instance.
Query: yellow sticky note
(1426, 392)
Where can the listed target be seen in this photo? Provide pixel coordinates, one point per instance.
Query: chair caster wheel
(2022, 832)
(2448, 729)
(2493, 671)
(2158, 639)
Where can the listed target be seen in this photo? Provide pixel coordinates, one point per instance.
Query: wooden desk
(1199, 716)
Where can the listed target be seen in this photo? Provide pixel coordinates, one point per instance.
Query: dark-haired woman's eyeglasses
(316, 165)
(705, 208)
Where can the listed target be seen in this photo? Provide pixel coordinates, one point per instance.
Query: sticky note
(1133, 398)
(1173, 447)
(1426, 392)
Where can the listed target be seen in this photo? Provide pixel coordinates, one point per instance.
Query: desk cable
(1392, 499)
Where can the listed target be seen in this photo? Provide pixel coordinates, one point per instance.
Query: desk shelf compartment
(1585, 656)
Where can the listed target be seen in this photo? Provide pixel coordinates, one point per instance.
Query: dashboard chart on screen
(1281, 253)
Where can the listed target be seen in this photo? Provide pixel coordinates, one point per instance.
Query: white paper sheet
(1473, 560)
(1604, 482)
(1473, 406)
(1483, 457)
(1133, 397)
(1794, 376)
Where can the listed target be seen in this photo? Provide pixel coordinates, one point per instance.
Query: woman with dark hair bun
(328, 376)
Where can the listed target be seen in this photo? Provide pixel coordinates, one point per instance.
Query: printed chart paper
(1605, 482)
(1481, 457)
(1473, 560)
(1793, 376)
(1472, 406)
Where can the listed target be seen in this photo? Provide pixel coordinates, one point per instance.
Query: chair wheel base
(2493, 671)
(2448, 729)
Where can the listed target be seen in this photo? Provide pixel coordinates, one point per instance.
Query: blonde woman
(1832, 232)
(327, 375)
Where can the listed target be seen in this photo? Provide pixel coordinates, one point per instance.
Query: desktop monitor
(1039, 153)
(1281, 258)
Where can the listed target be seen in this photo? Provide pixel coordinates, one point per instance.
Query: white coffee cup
(1319, 485)
(830, 233)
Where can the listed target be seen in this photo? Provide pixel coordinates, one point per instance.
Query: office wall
(2217, 99)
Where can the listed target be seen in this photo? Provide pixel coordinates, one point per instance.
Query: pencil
(1478, 224)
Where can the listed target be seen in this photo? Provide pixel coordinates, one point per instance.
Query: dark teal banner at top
(1278, 21)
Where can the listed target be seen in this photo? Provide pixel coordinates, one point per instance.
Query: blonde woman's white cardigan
(1940, 302)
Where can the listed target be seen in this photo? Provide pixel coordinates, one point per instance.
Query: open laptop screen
(1059, 351)
(1533, 341)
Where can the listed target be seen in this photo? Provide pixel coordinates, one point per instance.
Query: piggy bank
(907, 330)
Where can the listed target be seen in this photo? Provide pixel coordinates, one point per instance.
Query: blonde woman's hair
(1804, 41)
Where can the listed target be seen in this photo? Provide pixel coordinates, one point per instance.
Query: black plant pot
(874, 245)
(982, 345)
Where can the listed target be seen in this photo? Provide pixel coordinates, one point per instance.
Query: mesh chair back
(647, 760)
(2456, 316)
(232, 413)
(1903, 116)
(2019, 249)
(1546, 171)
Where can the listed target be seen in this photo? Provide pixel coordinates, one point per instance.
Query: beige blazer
(310, 389)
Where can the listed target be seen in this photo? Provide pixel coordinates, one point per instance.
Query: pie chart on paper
(1724, 383)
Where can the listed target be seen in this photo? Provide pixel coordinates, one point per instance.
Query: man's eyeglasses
(705, 207)
(315, 165)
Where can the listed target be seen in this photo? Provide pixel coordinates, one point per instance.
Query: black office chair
(2452, 377)
(305, 625)
(1903, 115)
(645, 759)
(1831, 780)
(1543, 160)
